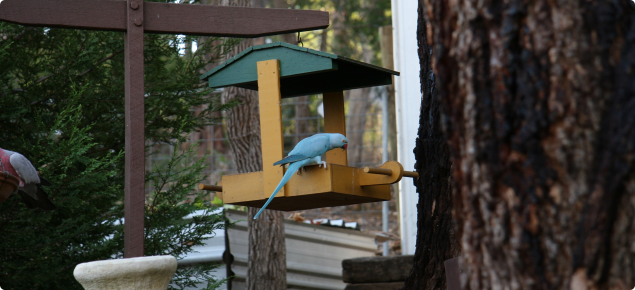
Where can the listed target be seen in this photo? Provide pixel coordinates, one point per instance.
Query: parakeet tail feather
(293, 168)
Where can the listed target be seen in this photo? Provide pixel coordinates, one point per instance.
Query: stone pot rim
(151, 272)
(143, 259)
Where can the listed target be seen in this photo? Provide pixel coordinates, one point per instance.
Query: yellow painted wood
(412, 174)
(396, 169)
(378, 170)
(243, 187)
(270, 126)
(314, 179)
(315, 188)
(347, 180)
(335, 122)
(337, 179)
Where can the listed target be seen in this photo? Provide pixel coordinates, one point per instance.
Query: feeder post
(335, 122)
(270, 124)
(134, 201)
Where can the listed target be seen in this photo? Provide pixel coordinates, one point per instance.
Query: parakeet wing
(310, 147)
(291, 158)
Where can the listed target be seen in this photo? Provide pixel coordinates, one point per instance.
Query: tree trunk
(302, 115)
(387, 61)
(537, 101)
(267, 268)
(436, 241)
(356, 123)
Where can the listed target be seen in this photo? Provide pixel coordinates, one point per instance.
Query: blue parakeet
(307, 152)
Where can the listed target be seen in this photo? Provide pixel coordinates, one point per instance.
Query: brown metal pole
(382, 171)
(210, 187)
(168, 18)
(134, 203)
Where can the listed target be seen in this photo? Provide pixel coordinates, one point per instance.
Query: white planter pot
(151, 273)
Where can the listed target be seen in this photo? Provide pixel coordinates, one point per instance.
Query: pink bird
(30, 188)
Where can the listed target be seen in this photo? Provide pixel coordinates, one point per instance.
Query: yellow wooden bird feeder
(281, 70)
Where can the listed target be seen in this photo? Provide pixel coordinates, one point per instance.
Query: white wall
(408, 98)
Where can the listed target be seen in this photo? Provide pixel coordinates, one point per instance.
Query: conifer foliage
(62, 106)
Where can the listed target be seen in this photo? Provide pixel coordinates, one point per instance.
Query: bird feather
(291, 158)
(24, 167)
(307, 152)
(293, 168)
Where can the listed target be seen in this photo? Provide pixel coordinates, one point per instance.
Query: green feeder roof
(303, 71)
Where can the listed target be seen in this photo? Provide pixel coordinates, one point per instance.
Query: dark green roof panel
(303, 71)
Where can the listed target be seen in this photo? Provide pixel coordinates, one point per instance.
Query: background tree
(267, 265)
(62, 100)
(537, 101)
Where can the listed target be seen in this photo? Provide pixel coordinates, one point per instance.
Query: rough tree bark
(538, 102)
(302, 114)
(436, 241)
(356, 123)
(267, 268)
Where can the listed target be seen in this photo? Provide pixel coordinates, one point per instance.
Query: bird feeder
(281, 70)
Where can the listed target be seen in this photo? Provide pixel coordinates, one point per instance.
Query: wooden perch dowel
(209, 187)
(412, 174)
(382, 171)
(385, 171)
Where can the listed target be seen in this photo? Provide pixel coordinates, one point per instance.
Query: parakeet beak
(345, 146)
